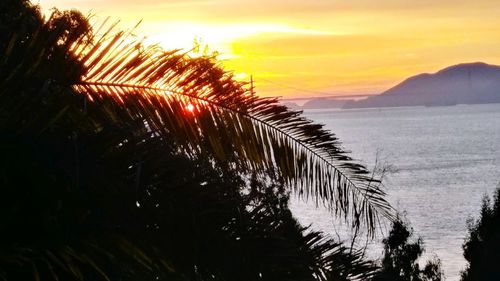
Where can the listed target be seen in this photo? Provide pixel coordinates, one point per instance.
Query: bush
(399, 262)
(482, 246)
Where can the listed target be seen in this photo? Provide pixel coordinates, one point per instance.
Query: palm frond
(196, 100)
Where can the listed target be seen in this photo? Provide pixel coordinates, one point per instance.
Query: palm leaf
(194, 99)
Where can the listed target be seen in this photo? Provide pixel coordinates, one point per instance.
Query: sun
(190, 107)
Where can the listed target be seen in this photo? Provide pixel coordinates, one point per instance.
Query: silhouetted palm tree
(92, 123)
(203, 107)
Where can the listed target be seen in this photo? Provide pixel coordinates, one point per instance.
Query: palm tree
(90, 118)
(204, 108)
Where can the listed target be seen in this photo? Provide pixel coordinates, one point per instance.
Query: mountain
(291, 105)
(323, 103)
(468, 83)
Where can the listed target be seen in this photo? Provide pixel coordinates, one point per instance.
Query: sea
(440, 163)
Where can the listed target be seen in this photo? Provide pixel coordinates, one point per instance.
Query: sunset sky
(318, 47)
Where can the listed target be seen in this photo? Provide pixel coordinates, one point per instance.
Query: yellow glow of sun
(219, 37)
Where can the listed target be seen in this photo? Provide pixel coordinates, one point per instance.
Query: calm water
(446, 160)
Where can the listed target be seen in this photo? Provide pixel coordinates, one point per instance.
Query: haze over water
(446, 160)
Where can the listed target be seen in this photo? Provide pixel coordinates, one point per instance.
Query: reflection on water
(445, 158)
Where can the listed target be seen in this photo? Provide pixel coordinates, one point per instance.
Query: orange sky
(328, 47)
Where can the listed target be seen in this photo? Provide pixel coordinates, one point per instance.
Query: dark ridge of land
(324, 103)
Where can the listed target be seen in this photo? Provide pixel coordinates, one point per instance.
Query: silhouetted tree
(482, 246)
(106, 175)
(400, 260)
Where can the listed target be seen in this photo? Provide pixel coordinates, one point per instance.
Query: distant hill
(291, 105)
(468, 83)
(323, 103)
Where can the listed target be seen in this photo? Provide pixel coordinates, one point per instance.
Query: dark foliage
(85, 206)
(400, 263)
(90, 191)
(482, 247)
